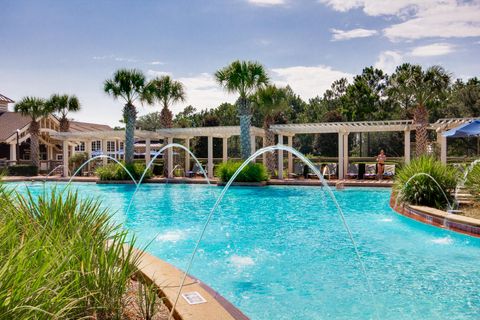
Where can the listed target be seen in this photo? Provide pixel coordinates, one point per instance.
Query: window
(120, 145)
(96, 145)
(80, 147)
(59, 157)
(110, 146)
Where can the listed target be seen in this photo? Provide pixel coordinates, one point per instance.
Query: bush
(22, 170)
(76, 161)
(253, 172)
(422, 190)
(115, 172)
(55, 260)
(472, 181)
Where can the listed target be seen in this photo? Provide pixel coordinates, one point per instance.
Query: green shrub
(472, 181)
(76, 161)
(55, 261)
(115, 172)
(22, 170)
(253, 172)
(422, 190)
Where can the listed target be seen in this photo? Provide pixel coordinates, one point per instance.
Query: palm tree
(270, 101)
(62, 105)
(244, 78)
(130, 86)
(167, 91)
(34, 108)
(413, 87)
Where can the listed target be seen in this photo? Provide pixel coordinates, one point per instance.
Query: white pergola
(343, 129)
(223, 132)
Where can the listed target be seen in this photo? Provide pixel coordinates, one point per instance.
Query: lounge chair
(312, 175)
(297, 170)
(330, 170)
(370, 171)
(196, 170)
(389, 171)
(352, 171)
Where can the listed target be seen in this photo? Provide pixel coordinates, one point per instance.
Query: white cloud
(156, 73)
(156, 63)
(115, 58)
(421, 19)
(267, 3)
(436, 49)
(388, 61)
(351, 34)
(308, 82)
(203, 92)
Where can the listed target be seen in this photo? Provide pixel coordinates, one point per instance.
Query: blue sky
(73, 46)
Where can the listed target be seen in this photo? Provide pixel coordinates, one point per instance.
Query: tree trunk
(269, 141)
(64, 125)
(166, 121)
(420, 119)
(245, 118)
(34, 131)
(130, 115)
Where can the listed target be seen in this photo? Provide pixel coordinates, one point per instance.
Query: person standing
(381, 158)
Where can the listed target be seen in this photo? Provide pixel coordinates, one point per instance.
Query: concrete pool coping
(438, 218)
(271, 182)
(167, 278)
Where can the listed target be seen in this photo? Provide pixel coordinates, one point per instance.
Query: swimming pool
(282, 252)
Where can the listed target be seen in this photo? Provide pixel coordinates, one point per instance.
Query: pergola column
(443, 147)
(264, 155)
(13, 152)
(290, 156)
(280, 158)
(147, 151)
(104, 151)
(252, 144)
(340, 155)
(345, 153)
(187, 155)
(170, 159)
(225, 149)
(65, 158)
(210, 157)
(407, 146)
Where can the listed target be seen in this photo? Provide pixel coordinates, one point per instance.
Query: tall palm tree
(270, 101)
(244, 78)
(62, 105)
(413, 87)
(167, 91)
(129, 85)
(34, 108)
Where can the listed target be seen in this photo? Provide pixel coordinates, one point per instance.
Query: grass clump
(115, 172)
(422, 190)
(253, 172)
(472, 181)
(54, 259)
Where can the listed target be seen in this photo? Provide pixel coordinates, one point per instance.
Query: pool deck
(200, 180)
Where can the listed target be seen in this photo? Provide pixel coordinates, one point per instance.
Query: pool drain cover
(193, 297)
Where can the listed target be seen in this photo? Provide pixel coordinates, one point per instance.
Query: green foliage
(75, 161)
(22, 170)
(472, 181)
(115, 172)
(55, 261)
(253, 172)
(422, 190)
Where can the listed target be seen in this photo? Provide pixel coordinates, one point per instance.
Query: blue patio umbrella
(471, 129)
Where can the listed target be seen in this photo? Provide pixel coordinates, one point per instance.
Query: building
(15, 139)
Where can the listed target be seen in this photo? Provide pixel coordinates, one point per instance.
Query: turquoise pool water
(282, 252)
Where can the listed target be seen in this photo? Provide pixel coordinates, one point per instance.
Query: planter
(245, 184)
(116, 182)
